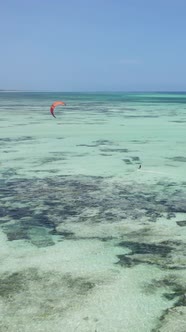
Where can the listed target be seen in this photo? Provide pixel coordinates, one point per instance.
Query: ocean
(93, 212)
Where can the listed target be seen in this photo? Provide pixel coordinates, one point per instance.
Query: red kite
(53, 106)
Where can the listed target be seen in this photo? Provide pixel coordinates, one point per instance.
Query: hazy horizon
(94, 91)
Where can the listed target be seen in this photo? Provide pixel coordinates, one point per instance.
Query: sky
(93, 45)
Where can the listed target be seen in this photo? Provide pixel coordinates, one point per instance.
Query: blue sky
(93, 45)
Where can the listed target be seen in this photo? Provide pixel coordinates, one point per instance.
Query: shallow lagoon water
(90, 242)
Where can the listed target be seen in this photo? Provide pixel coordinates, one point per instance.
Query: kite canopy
(53, 106)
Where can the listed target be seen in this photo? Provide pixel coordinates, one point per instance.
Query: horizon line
(96, 91)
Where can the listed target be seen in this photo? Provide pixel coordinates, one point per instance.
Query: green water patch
(105, 154)
(17, 139)
(46, 171)
(11, 284)
(16, 232)
(127, 161)
(141, 116)
(172, 319)
(148, 253)
(58, 153)
(178, 158)
(120, 150)
(178, 121)
(42, 295)
(88, 145)
(38, 236)
(9, 151)
(104, 142)
(136, 141)
(181, 223)
(146, 248)
(161, 254)
(135, 158)
(174, 289)
(48, 203)
(48, 160)
(97, 143)
(9, 172)
(64, 234)
(132, 160)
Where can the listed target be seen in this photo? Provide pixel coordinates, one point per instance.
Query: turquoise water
(90, 241)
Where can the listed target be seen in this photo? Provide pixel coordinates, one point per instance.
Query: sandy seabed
(88, 241)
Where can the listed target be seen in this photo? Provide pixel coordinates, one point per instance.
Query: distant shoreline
(92, 92)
